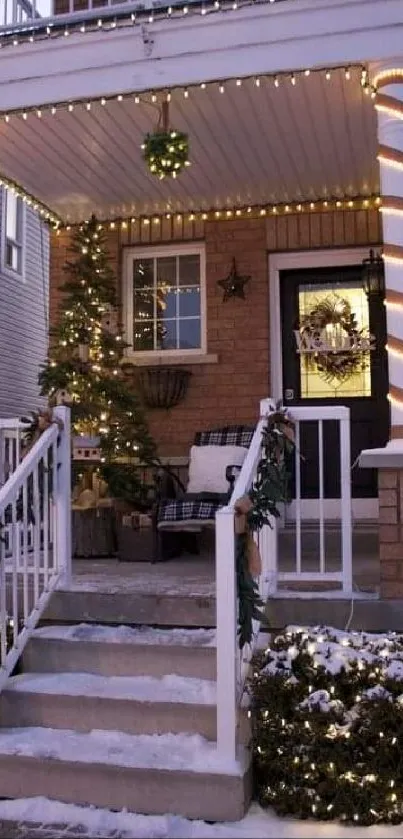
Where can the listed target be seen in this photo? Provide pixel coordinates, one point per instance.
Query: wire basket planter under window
(166, 151)
(163, 387)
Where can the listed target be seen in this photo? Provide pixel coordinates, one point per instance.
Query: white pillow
(208, 464)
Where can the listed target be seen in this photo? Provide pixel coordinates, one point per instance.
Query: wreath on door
(332, 321)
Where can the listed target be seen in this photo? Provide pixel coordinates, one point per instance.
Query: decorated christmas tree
(84, 371)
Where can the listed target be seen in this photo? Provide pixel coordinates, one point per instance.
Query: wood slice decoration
(163, 387)
(93, 532)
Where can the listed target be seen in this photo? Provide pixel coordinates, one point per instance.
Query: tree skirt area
(39, 818)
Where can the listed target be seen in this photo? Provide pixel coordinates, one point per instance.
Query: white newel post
(388, 80)
(63, 496)
(226, 638)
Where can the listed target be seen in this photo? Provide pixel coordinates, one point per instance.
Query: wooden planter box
(136, 545)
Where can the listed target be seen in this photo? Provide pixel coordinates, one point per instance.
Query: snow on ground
(257, 824)
(142, 583)
(170, 688)
(187, 752)
(128, 634)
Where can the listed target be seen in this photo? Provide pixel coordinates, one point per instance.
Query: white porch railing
(35, 537)
(232, 667)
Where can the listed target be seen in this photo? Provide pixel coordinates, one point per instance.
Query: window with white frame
(165, 299)
(13, 215)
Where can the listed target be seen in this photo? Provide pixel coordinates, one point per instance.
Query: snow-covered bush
(327, 720)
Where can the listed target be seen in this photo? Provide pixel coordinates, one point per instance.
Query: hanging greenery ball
(166, 153)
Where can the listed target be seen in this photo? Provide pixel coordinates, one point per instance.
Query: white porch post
(388, 79)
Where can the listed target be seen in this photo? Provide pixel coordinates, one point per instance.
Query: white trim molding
(155, 252)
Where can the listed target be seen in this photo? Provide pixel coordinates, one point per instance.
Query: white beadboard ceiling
(249, 145)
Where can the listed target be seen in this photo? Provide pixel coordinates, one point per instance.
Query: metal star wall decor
(234, 284)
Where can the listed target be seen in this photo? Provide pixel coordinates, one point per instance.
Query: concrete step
(181, 774)
(131, 607)
(131, 704)
(121, 651)
(363, 613)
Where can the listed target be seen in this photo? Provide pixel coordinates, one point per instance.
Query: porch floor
(194, 575)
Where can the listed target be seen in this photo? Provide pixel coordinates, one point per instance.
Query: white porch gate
(232, 667)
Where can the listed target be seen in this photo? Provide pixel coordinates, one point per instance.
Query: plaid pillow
(228, 435)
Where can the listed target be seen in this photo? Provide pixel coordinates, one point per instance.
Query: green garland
(269, 489)
(166, 152)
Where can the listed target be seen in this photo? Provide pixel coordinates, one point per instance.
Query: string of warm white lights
(391, 106)
(358, 203)
(108, 20)
(158, 97)
(44, 211)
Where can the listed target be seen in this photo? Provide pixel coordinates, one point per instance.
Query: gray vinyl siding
(24, 307)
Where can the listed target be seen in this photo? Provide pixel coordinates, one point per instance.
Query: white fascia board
(265, 38)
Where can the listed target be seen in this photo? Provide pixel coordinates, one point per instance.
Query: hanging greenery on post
(166, 151)
(255, 510)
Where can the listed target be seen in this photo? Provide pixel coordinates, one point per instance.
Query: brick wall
(237, 331)
(390, 491)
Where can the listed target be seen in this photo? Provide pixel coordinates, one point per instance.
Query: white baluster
(321, 500)
(36, 531)
(297, 456)
(25, 549)
(45, 521)
(3, 604)
(16, 561)
(345, 491)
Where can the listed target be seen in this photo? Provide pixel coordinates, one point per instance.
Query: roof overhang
(254, 142)
(239, 38)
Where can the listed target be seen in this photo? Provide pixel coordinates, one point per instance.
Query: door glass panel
(333, 341)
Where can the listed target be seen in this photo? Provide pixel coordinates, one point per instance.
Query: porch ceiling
(249, 145)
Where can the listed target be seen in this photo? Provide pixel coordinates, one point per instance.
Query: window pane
(189, 302)
(143, 273)
(13, 211)
(189, 269)
(13, 257)
(166, 335)
(143, 305)
(166, 303)
(166, 272)
(143, 336)
(189, 334)
(333, 341)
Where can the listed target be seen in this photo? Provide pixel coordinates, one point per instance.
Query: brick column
(390, 484)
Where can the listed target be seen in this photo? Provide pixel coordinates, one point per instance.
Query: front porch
(186, 587)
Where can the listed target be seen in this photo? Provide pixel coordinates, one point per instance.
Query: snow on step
(180, 752)
(170, 688)
(128, 635)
